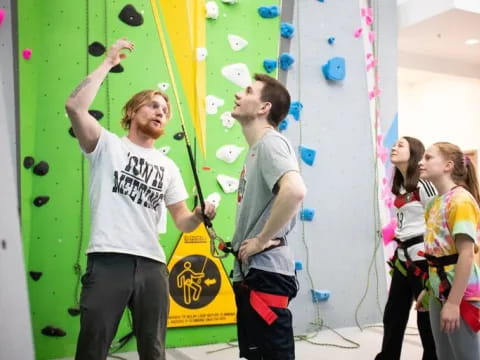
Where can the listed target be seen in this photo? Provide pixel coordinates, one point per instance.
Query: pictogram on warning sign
(200, 291)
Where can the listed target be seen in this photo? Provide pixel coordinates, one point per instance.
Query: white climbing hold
(214, 198)
(238, 74)
(229, 153)
(228, 183)
(212, 104)
(201, 54)
(227, 119)
(165, 149)
(230, 1)
(163, 86)
(237, 43)
(212, 10)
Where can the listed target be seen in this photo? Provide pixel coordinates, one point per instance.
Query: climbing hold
(35, 275)
(28, 162)
(298, 265)
(97, 114)
(286, 61)
(27, 54)
(295, 109)
(237, 74)
(334, 69)
(269, 65)
(307, 155)
(201, 54)
(74, 311)
(269, 12)
(41, 200)
(331, 40)
(236, 42)
(228, 183)
(357, 33)
(320, 295)
(117, 69)
(214, 198)
(230, 1)
(388, 231)
(53, 331)
(130, 16)
(179, 136)
(307, 214)
(287, 30)
(212, 10)
(212, 103)
(229, 153)
(2, 16)
(371, 36)
(227, 119)
(96, 49)
(70, 131)
(163, 86)
(41, 168)
(283, 125)
(165, 150)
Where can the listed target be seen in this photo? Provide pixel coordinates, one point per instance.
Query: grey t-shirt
(266, 162)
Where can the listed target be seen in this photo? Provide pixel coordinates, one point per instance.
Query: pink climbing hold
(371, 36)
(358, 32)
(388, 231)
(2, 16)
(369, 20)
(27, 54)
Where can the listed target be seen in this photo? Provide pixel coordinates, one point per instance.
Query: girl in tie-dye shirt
(451, 242)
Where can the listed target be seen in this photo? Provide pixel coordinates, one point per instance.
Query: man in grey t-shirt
(270, 192)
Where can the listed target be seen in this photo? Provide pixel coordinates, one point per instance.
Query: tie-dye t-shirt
(455, 212)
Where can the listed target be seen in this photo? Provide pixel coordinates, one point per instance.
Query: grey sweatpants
(111, 283)
(463, 344)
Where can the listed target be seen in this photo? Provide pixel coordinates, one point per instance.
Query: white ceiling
(438, 43)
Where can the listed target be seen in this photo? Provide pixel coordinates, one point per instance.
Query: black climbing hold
(41, 168)
(130, 16)
(179, 136)
(53, 331)
(41, 200)
(70, 131)
(117, 69)
(35, 275)
(74, 311)
(28, 162)
(96, 49)
(96, 114)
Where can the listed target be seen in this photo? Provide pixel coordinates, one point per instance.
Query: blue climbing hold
(307, 155)
(269, 65)
(334, 69)
(320, 295)
(286, 61)
(295, 109)
(331, 40)
(298, 265)
(307, 214)
(283, 125)
(269, 12)
(287, 30)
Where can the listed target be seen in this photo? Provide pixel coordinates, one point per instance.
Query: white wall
(439, 107)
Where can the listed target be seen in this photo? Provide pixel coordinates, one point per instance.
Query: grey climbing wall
(337, 248)
(15, 329)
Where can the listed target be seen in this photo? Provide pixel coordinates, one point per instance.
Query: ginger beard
(151, 128)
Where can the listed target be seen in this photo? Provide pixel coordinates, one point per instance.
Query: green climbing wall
(56, 234)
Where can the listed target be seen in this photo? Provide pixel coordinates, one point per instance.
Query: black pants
(111, 283)
(403, 291)
(256, 339)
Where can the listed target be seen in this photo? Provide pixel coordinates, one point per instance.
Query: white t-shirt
(130, 186)
(410, 211)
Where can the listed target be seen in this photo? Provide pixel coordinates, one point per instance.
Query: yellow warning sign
(200, 291)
